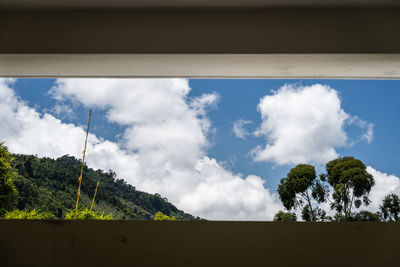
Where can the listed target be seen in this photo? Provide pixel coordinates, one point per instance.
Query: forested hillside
(51, 185)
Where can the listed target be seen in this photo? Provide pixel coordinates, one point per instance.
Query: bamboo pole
(83, 164)
(94, 197)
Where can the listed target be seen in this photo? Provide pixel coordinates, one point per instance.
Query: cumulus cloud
(163, 148)
(303, 124)
(239, 130)
(162, 127)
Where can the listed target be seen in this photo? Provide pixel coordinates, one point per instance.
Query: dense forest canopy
(45, 188)
(50, 185)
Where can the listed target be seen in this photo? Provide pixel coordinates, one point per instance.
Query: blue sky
(373, 102)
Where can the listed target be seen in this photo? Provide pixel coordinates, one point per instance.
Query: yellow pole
(94, 197)
(83, 163)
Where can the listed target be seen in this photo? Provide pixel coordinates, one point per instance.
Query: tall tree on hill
(7, 175)
(299, 188)
(351, 185)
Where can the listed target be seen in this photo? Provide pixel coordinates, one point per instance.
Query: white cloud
(303, 124)
(128, 100)
(200, 103)
(239, 130)
(368, 135)
(61, 110)
(163, 148)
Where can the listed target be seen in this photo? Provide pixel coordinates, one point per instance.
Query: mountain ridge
(51, 185)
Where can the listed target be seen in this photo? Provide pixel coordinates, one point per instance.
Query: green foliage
(159, 216)
(319, 214)
(362, 216)
(7, 176)
(87, 214)
(294, 190)
(297, 181)
(282, 216)
(320, 192)
(365, 216)
(390, 207)
(28, 215)
(50, 185)
(351, 184)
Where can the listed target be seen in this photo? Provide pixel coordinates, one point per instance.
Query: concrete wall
(244, 31)
(221, 42)
(233, 31)
(149, 243)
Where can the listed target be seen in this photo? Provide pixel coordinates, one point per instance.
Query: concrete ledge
(348, 66)
(149, 243)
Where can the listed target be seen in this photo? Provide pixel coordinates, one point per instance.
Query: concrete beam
(348, 66)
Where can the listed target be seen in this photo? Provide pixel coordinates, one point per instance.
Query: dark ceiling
(26, 4)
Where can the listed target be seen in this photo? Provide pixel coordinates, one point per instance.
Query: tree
(282, 216)
(319, 214)
(159, 216)
(365, 216)
(298, 189)
(390, 207)
(351, 185)
(7, 176)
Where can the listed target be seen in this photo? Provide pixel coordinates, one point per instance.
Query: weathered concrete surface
(348, 66)
(149, 243)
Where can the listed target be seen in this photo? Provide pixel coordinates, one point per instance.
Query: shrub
(86, 214)
(28, 215)
(162, 217)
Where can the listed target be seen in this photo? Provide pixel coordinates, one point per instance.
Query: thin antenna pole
(94, 197)
(83, 163)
